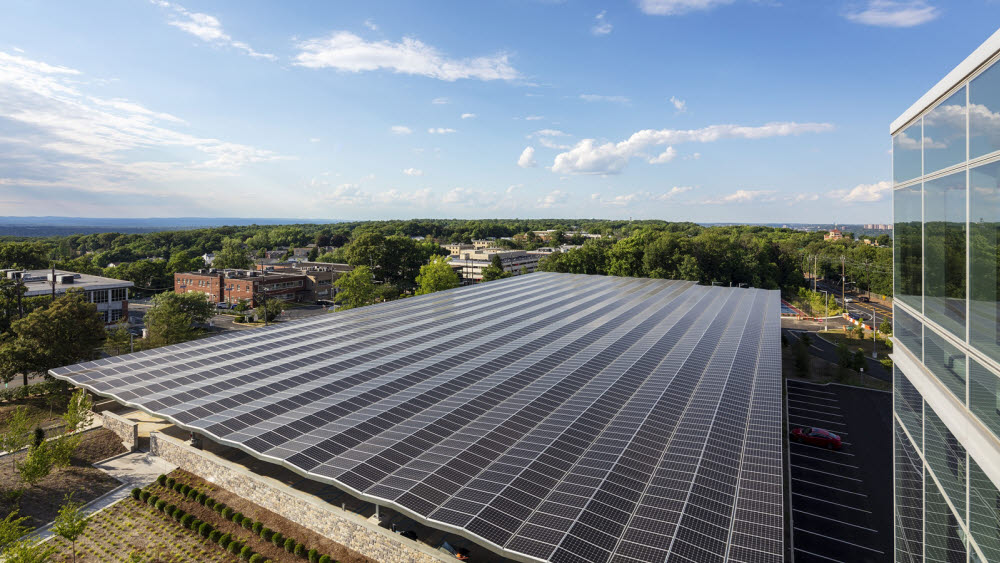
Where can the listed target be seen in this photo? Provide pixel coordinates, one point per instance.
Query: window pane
(984, 243)
(984, 512)
(946, 362)
(908, 404)
(943, 536)
(906, 154)
(944, 252)
(906, 330)
(909, 515)
(984, 113)
(944, 134)
(946, 458)
(984, 395)
(907, 246)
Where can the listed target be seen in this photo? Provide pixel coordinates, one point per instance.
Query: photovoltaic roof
(549, 417)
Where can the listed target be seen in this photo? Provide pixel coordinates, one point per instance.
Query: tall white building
(946, 207)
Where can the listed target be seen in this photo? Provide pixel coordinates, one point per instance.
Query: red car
(816, 437)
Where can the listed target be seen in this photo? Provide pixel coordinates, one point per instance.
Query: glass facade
(946, 316)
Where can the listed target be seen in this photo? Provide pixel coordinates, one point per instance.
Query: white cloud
(805, 197)
(468, 116)
(440, 101)
(413, 172)
(864, 193)
(346, 51)
(400, 130)
(314, 139)
(353, 195)
(640, 197)
(678, 7)
(600, 98)
(679, 104)
(545, 138)
(601, 25)
(555, 198)
(743, 196)
(587, 157)
(440, 130)
(693, 156)
(534, 118)
(207, 28)
(371, 25)
(527, 159)
(98, 144)
(470, 197)
(893, 13)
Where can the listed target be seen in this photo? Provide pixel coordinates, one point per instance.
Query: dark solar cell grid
(560, 417)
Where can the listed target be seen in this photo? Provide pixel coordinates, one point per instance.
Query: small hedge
(234, 547)
(277, 539)
(227, 513)
(256, 558)
(257, 527)
(136, 492)
(266, 533)
(202, 498)
(324, 559)
(224, 540)
(299, 550)
(170, 508)
(178, 514)
(170, 482)
(247, 523)
(160, 504)
(205, 529)
(144, 496)
(219, 507)
(161, 480)
(246, 553)
(237, 517)
(313, 556)
(151, 501)
(289, 545)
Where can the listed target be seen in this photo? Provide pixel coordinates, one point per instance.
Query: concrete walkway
(135, 469)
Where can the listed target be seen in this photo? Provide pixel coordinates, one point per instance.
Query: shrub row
(225, 540)
(35, 389)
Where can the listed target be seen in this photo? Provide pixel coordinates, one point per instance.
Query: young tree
(495, 270)
(885, 327)
(800, 353)
(66, 332)
(355, 288)
(436, 276)
(313, 254)
(28, 551)
(858, 361)
(70, 523)
(119, 339)
(12, 528)
(18, 432)
(859, 331)
(844, 357)
(36, 464)
(271, 309)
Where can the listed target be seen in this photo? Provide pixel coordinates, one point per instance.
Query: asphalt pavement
(827, 351)
(841, 500)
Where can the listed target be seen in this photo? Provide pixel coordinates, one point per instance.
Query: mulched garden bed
(41, 502)
(286, 528)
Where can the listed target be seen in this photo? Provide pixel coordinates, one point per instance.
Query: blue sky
(701, 110)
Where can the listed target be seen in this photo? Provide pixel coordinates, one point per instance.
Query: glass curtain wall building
(946, 209)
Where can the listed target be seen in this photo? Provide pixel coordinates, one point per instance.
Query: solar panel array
(551, 417)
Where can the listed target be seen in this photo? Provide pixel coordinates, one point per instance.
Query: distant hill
(62, 226)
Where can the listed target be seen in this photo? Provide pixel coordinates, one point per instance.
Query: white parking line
(808, 412)
(792, 385)
(824, 534)
(826, 473)
(818, 555)
(847, 506)
(819, 419)
(792, 399)
(828, 487)
(837, 521)
(823, 460)
(824, 449)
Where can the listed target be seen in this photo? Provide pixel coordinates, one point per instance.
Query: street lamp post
(874, 336)
(826, 319)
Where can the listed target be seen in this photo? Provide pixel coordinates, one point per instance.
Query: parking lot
(841, 500)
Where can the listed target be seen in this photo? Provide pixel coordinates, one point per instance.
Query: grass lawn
(838, 336)
(44, 411)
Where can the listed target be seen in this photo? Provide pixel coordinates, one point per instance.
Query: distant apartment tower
(108, 294)
(946, 406)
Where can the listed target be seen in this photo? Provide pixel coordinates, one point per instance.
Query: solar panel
(555, 417)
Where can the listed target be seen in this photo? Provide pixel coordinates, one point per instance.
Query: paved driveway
(840, 499)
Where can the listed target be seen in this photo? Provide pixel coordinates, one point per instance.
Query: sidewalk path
(135, 469)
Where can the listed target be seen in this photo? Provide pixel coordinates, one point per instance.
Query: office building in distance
(108, 294)
(545, 417)
(946, 207)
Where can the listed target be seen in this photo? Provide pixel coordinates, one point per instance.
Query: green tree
(355, 288)
(271, 309)
(28, 551)
(119, 339)
(438, 275)
(70, 523)
(17, 432)
(232, 255)
(495, 270)
(313, 254)
(66, 332)
(859, 331)
(12, 528)
(885, 327)
(800, 352)
(844, 357)
(173, 316)
(183, 261)
(858, 361)
(36, 464)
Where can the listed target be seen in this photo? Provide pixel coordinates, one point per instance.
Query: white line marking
(824, 460)
(820, 556)
(837, 539)
(829, 487)
(837, 521)
(831, 502)
(826, 472)
(793, 399)
(819, 419)
(824, 449)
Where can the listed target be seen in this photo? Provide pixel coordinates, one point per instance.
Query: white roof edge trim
(971, 63)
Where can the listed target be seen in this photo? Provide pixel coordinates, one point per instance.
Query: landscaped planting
(237, 534)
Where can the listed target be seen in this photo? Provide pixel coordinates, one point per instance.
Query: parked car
(848, 300)
(864, 299)
(816, 437)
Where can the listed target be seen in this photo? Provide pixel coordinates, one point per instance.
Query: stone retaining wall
(126, 429)
(345, 528)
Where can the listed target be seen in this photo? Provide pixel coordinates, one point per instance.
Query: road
(827, 351)
(865, 310)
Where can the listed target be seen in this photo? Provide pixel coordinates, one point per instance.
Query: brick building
(230, 286)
